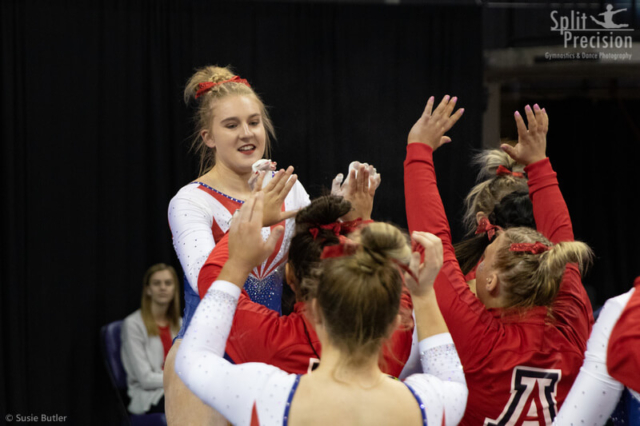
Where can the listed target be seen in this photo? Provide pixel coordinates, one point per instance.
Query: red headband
(503, 171)
(347, 248)
(206, 86)
(533, 248)
(339, 227)
(486, 227)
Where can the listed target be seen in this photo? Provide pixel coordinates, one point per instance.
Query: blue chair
(110, 342)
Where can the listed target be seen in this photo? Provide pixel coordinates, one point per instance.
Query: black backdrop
(95, 137)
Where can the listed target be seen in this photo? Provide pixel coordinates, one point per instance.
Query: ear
(479, 217)
(493, 284)
(207, 138)
(290, 275)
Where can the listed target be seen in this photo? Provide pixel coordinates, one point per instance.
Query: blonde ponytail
(534, 279)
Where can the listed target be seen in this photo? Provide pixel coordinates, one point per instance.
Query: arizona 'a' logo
(533, 398)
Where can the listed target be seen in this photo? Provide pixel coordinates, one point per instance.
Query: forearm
(425, 211)
(429, 319)
(549, 208)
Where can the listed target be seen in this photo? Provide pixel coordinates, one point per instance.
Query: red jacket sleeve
(473, 329)
(623, 353)
(572, 305)
(213, 266)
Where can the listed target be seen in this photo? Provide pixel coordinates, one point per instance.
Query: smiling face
(237, 133)
(161, 287)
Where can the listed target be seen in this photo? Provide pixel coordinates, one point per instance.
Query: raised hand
(428, 270)
(532, 141)
(247, 249)
(359, 189)
(338, 186)
(274, 194)
(432, 126)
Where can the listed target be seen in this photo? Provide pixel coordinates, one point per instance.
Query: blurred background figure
(147, 335)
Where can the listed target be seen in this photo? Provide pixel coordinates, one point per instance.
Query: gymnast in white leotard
(354, 307)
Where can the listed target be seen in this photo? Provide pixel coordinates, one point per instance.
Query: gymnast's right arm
(199, 362)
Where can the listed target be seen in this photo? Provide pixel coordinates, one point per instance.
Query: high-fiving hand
(432, 126)
(532, 142)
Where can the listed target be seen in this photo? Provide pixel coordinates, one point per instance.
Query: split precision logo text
(577, 22)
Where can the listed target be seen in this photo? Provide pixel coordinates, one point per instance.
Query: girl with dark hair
(522, 339)
(501, 199)
(290, 342)
(354, 307)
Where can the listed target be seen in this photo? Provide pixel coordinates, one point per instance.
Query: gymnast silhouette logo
(607, 18)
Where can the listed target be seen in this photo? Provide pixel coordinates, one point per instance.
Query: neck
(159, 313)
(229, 181)
(366, 374)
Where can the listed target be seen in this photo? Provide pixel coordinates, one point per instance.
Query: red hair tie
(486, 227)
(345, 248)
(339, 228)
(533, 248)
(206, 86)
(503, 171)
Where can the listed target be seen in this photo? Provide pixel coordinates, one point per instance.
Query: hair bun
(490, 159)
(382, 242)
(323, 211)
(211, 73)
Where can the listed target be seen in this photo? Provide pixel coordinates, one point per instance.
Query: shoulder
(616, 305)
(133, 324)
(188, 194)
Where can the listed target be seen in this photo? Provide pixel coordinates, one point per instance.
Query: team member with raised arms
(522, 339)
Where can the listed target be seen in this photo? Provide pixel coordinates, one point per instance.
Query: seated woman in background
(146, 338)
(355, 300)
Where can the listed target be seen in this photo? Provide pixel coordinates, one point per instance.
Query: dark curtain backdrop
(594, 145)
(95, 143)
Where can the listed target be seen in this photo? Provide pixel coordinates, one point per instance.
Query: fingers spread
(531, 119)
(429, 107)
(522, 128)
(442, 105)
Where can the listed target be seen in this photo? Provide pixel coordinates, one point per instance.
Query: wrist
(535, 160)
(235, 272)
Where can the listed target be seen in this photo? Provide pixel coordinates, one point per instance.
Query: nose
(246, 131)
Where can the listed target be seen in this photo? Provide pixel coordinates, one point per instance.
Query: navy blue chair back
(112, 343)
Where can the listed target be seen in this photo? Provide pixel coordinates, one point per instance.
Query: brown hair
(173, 312)
(359, 295)
(305, 250)
(534, 279)
(203, 116)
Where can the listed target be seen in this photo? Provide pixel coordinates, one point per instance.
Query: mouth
(247, 149)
